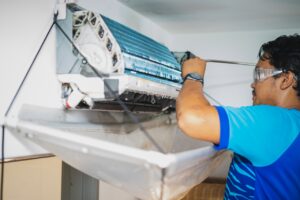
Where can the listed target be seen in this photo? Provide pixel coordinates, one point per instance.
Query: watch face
(195, 76)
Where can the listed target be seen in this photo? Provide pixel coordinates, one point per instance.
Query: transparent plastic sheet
(107, 146)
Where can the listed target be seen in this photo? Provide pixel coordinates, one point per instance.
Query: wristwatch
(194, 76)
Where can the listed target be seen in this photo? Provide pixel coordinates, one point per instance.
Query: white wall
(24, 26)
(229, 84)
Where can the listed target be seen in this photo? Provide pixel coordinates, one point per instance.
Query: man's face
(264, 91)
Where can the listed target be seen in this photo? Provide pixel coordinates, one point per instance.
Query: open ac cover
(138, 70)
(94, 136)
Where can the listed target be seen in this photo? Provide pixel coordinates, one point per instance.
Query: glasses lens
(261, 74)
(257, 74)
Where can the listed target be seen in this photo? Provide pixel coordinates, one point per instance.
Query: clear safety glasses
(261, 74)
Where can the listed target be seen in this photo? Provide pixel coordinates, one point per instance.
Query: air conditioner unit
(100, 61)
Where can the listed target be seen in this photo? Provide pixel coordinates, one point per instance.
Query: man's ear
(287, 80)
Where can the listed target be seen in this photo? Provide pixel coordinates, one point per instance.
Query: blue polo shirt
(266, 145)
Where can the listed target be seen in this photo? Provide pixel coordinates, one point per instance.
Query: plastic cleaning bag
(107, 146)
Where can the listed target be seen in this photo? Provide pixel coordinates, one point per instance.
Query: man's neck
(291, 103)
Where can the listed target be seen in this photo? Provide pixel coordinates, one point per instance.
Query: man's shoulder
(261, 109)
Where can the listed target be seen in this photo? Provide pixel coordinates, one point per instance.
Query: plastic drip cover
(107, 146)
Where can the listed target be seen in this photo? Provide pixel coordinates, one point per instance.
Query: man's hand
(196, 65)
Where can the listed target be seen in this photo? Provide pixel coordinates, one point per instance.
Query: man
(264, 137)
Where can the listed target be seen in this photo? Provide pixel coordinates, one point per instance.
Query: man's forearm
(196, 117)
(191, 95)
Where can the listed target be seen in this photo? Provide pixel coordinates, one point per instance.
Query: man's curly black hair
(284, 53)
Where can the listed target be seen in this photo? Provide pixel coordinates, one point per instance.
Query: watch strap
(194, 76)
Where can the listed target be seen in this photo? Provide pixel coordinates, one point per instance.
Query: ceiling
(194, 16)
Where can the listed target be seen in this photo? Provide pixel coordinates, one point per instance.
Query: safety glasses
(261, 74)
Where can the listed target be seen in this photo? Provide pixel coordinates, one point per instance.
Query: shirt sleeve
(259, 133)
